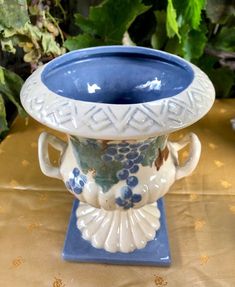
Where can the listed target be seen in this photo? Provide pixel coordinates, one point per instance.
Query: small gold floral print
(58, 282)
(2, 209)
(160, 281)
(25, 163)
(232, 208)
(212, 146)
(193, 196)
(204, 259)
(43, 197)
(225, 183)
(199, 224)
(33, 144)
(14, 183)
(33, 226)
(222, 111)
(17, 262)
(218, 163)
(1, 151)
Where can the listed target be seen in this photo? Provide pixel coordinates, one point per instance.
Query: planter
(118, 105)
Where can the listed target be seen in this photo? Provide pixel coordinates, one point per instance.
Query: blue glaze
(128, 198)
(76, 181)
(132, 181)
(155, 253)
(122, 174)
(117, 75)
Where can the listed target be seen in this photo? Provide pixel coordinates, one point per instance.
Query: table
(35, 210)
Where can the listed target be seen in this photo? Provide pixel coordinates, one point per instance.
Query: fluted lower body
(118, 230)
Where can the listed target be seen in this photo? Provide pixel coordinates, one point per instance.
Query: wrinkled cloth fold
(35, 210)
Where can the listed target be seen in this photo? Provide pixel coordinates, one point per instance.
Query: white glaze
(102, 221)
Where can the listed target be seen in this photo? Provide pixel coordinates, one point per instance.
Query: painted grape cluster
(130, 155)
(128, 198)
(76, 181)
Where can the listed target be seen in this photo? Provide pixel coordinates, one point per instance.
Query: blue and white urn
(118, 105)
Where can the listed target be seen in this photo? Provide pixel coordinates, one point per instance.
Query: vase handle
(194, 155)
(44, 161)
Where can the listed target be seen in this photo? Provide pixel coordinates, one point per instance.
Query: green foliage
(225, 39)
(89, 156)
(220, 11)
(33, 32)
(9, 18)
(159, 38)
(37, 41)
(184, 29)
(189, 12)
(172, 27)
(33, 41)
(10, 85)
(106, 23)
(3, 121)
(182, 19)
(152, 151)
(193, 44)
(223, 79)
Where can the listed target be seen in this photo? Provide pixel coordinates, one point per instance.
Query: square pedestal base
(155, 253)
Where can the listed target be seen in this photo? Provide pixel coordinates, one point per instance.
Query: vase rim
(117, 75)
(160, 93)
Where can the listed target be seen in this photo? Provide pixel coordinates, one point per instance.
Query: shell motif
(118, 230)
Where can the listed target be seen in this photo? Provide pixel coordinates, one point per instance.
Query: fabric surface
(35, 210)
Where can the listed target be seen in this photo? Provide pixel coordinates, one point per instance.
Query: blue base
(156, 252)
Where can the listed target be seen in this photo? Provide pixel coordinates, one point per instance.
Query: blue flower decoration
(128, 198)
(76, 181)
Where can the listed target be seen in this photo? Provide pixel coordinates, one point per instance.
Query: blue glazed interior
(117, 75)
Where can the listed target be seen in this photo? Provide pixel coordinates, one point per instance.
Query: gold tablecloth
(35, 210)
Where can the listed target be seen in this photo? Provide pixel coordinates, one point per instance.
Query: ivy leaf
(2, 78)
(82, 41)
(86, 25)
(13, 13)
(159, 38)
(193, 12)
(49, 44)
(193, 44)
(3, 121)
(189, 12)
(7, 45)
(11, 87)
(106, 23)
(225, 40)
(173, 46)
(171, 22)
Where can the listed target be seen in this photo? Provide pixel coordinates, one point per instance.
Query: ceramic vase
(117, 106)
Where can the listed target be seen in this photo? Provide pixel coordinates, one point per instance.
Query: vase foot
(118, 230)
(156, 252)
